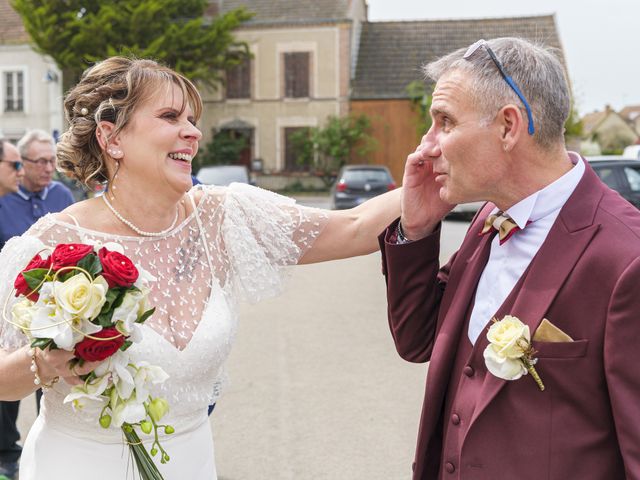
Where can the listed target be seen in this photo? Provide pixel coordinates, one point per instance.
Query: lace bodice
(234, 246)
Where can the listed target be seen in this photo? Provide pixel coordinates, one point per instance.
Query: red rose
(21, 286)
(69, 254)
(117, 269)
(93, 350)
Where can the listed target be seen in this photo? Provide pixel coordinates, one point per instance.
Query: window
(608, 176)
(239, 80)
(296, 74)
(292, 149)
(13, 91)
(633, 175)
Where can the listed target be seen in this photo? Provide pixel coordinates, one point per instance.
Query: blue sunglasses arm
(515, 88)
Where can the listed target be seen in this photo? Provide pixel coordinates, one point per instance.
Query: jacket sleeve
(622, 368)
(415, 285)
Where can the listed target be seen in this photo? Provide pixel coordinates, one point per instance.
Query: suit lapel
(549, 269)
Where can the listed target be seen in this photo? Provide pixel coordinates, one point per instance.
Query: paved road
(316, 388)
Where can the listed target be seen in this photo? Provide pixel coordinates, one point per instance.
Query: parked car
(619, 173)
(465, 210)
(223, 175)
(356, 184)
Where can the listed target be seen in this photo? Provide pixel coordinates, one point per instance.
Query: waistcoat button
(468, 371)
(449, 467)
(455, 419)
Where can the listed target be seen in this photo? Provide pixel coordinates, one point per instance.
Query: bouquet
(92, 300)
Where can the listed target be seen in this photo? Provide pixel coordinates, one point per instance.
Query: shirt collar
(28, 195)
(550, 198)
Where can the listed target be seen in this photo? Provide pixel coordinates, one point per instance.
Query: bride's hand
(58, 363)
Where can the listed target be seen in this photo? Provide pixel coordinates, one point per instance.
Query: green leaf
(146, 315)
(41, 343)
(126, 344)
(35, 277)
(91, 264)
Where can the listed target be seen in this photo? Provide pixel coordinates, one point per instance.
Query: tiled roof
(392, 53)
(11, 28)
(631, 112)
(591, 121)
(281, 12)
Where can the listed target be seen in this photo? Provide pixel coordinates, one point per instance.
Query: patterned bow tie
(502, 223)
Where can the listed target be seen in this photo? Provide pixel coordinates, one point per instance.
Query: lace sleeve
(14, 257)
(263, 233)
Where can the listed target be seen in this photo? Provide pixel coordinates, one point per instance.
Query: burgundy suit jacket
(585, 279)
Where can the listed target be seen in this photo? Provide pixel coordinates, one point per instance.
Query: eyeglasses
(17, 166)
(482, 43)
(41, 162)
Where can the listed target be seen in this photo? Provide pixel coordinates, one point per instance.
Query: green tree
(421, 97)
(224, 148)
(573, 127)
(76, 33)
(328, 148)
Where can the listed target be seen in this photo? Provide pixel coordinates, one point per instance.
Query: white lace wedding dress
(234, 246)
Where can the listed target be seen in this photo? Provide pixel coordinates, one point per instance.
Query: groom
(553, 247)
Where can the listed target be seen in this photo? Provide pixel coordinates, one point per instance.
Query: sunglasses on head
(17, 166)
(483, 43)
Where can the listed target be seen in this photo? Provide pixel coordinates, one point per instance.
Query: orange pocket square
(548, 332)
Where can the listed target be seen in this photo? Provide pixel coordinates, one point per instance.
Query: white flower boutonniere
(509, 354)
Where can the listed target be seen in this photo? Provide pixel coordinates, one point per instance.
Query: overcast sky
(600, 39)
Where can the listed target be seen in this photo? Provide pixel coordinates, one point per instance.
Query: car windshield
(366, 175)
(223, 175)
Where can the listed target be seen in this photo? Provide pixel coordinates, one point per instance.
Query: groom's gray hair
(535, 69)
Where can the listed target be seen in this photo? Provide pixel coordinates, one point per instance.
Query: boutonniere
(509, 354)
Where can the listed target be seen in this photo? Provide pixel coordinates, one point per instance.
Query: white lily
(147, 375)
(131, 411)
(89, 396)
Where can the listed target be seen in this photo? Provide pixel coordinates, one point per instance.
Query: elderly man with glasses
(530, 328)
(39, 194)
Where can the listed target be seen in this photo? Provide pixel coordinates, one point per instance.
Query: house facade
(30, 83)
(609, 131)
(302, 62)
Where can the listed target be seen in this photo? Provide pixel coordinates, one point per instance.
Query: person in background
(38, 194)
(11, 172)
(20, 208)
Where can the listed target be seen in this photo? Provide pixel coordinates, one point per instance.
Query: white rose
(21, 313)
(81, 297)
(501, 366)
(504, 337)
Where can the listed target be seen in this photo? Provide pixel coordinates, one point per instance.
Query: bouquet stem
(144, 462)
(532, 370)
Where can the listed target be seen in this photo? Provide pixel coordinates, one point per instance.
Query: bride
(133, 123)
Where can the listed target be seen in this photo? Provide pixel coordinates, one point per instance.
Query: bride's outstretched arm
(355, 232)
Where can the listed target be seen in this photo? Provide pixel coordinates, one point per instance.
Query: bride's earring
(112, 182)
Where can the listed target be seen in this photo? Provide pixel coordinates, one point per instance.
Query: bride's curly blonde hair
(111, 91)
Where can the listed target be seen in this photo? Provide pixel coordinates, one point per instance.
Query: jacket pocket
(575, 349)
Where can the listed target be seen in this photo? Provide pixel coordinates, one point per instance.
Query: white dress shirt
(507, 262)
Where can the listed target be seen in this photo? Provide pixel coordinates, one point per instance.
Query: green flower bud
(153, 451)
(157, 409)
(166, 457)
(105, 421)
(146, 426)
(169, 429)
(127, 428)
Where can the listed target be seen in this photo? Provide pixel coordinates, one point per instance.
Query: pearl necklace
(136, 229)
